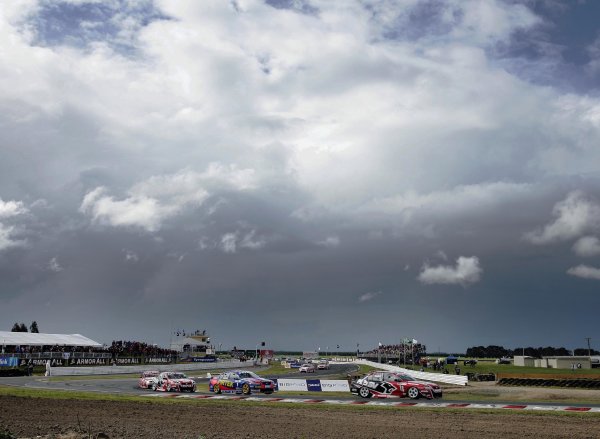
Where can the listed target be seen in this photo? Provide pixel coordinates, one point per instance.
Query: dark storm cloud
(364, 173)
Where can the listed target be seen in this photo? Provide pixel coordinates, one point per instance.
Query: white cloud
(131, 256)
(467, 271)
(330, 241)
(369, 296)
(9, 210)
(158, 198)
(54, 265)
(585, 272)
(229, 243)
(587, 246)
(575, 215)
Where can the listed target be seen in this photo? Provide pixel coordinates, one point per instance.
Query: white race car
(148, 378)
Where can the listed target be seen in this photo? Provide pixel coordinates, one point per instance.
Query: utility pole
(589, 349)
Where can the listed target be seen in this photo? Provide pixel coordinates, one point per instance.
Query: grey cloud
(295, 161)
(585, 272)
(587, 246)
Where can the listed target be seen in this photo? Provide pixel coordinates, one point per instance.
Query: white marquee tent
(35, 339)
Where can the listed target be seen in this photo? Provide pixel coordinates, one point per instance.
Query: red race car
(174, 382)
(384, 384)
(148, 378)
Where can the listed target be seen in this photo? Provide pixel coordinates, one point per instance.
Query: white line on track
(388, 403)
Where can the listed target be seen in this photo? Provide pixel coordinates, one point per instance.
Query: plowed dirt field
(49, 418)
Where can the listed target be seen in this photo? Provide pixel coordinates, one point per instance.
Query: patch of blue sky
(114, 23)
(559, 51)
(301, 6)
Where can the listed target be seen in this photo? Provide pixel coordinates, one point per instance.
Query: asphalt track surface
(129, 386)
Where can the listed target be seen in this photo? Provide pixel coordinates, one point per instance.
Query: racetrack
(228, 417)
(129, 386)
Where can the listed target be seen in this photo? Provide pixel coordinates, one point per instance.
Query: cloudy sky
(304, 172)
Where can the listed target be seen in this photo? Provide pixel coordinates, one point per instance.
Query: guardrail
(112, 370)
(459, 380)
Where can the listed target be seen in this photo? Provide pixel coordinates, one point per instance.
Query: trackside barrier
(459, 380)
(112, 370)
(312, 385)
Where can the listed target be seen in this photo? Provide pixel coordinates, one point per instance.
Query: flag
(380, 344)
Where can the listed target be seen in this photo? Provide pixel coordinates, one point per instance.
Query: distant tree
(19, 327)
(582, 352)
(34, 327)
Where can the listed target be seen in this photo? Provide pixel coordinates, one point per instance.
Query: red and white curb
(387, 403)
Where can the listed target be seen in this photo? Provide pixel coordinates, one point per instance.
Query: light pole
(589, 349)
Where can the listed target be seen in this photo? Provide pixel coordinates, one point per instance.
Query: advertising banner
(313, 385)
(266, 353)
(203, 360)
(9, 361)
(335, 386)
(292, 385)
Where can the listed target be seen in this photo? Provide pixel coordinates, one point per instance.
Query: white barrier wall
(112, 370)
(459, 380)
(316, 385)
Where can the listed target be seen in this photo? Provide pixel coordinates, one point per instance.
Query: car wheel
(154, 387)
(216, 388)
(413, 393)
(168, 387)
(246, 389)
(193, 389)
(364, 392)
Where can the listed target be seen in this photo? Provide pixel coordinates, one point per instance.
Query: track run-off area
(119, 385)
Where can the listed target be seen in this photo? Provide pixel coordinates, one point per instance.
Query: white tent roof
(34, 339)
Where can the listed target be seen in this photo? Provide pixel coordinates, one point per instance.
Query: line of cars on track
(377, 384)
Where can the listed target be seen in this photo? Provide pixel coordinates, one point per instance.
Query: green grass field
(488, 366)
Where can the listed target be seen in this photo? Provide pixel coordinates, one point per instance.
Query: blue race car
(240, 381)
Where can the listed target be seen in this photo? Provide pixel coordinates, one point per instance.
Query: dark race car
(240, 381)
(384, 384)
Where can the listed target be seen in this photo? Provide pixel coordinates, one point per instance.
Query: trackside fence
(459, 380)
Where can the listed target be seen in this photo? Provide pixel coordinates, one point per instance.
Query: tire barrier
(551, 382)
(473, 376)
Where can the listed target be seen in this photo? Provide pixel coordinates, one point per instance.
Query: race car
(308, 368)
(240, 381)
(384, 384)
(174, 382)
(148, 378)
(323, 364)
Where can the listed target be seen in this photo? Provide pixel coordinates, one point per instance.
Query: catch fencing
(459, 380)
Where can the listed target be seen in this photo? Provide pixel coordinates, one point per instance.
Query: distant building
(194, 343)
(556, 362)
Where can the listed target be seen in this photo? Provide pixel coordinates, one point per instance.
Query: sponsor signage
(292, 385)
(9, 362)
(159, 360)
(203, 360)
(313, 385)
(335, 386)
(266, 353)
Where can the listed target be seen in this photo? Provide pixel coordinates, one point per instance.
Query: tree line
(493, 351)
(21, 327)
